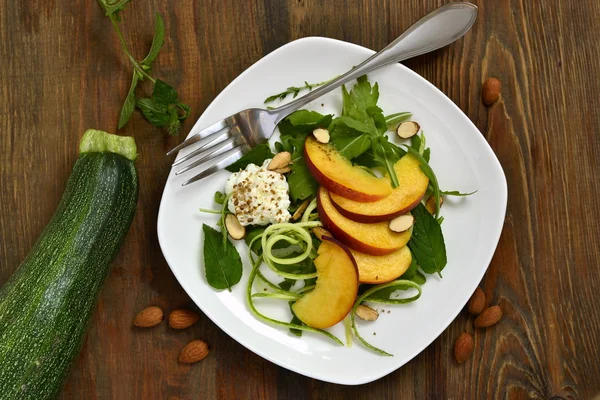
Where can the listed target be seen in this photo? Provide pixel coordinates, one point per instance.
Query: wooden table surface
(62, 71)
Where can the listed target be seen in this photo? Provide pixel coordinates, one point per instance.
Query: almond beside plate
(462, 159)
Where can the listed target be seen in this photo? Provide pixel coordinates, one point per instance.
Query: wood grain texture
(62, 72)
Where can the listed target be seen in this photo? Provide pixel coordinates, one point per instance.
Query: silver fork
(226, 141)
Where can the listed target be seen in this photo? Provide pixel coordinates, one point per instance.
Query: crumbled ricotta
(259, 196)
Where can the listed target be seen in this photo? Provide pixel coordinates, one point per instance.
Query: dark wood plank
(62, 72)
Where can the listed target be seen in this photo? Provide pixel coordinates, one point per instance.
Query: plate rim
(495, 163)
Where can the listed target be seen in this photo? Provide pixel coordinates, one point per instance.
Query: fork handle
(437, 29)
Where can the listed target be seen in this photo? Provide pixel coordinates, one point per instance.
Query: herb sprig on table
(163, 109)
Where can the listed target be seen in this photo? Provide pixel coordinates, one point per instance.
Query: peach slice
(381, 269)
(375, 239)
(339, 176)
(412, 188)
(335, 290)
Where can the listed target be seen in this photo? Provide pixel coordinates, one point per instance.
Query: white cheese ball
(260, 196)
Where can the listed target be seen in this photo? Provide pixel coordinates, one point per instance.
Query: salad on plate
(341, 214)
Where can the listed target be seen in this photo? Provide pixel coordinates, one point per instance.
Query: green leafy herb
(129, 104)
(295, 90)
(413, 273)
(294, 130)
(301, 182)
(163, 109)
(220, 197)
(347, 141)
(257, 156)
(157, 43)
(362, 126)
(456, 193)
(427, 242)
(223, 266)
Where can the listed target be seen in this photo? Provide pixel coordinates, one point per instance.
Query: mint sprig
(163, 109)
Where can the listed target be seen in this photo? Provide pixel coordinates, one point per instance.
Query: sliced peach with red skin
(338, 175)
(412, 188)
(381, 269)
(335, 291)
(375, 239)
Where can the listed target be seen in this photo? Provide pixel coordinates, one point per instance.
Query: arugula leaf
(301, 123)
(393, 120)
(361, 116)
(456, 193)
(301, 182)
(348, 143)
(359, 99)
(427, 242)
(257, 156)
(222, 264)
(129, 105)
(157, 42)
(293, 130)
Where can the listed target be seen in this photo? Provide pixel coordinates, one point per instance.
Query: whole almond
(366, 313)
(407, 129)
(488, 317)
(193, 352)
(402, 223)
(182, 318)
(322, 135)
(300, 210)
(282, 170)
(490, 91)
(148, 317)
(463, 347)
(235, 229)
(320, 232)
(281, 160)
(476, 303)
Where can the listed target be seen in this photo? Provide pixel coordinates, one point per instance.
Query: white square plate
(460, 156)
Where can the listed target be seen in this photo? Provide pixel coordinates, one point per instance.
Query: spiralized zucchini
(298, 234)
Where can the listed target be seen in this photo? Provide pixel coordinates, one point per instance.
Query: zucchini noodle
(307, 213)
(264, 318)
(296, 234)
(366, 296)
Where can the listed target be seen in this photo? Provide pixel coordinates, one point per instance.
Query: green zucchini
(46, 305)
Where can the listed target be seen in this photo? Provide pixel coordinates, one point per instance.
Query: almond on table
(149, 317)
(182, 318)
